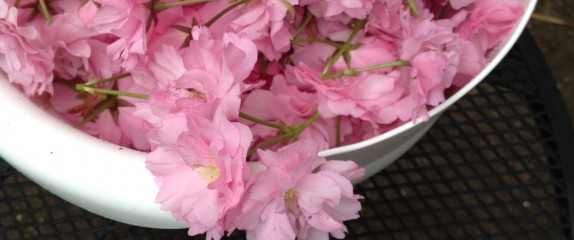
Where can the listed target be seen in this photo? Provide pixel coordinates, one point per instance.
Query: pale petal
(315, 190)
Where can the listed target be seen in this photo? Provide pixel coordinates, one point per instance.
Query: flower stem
(225, 11)
(299, 129)
(359, 23)
(264, 66)
(164, 6)
(45, 11)
(413, 7)
(306, 20)
(259, 121)
(92, 90)
(355, 71)
(293, 134)
(290, 9)
(102, 106)
(268, 143)
(319, 40)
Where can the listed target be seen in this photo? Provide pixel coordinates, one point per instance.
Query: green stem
(16, 4)
(286, 61)
(299, 129)
(293, 134)
(359, 23)
(264, 65)
(110, 79)
(102, 106)
(182, 28)
(290, 9)
(306, 20)
(259, 121)
(268, 143)
(318, 40)
(355, 71)
(88, 89)
(45, 11)
(225, 11)
(413, 7)
(163, 6)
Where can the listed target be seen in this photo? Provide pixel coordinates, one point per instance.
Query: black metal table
(497, 165)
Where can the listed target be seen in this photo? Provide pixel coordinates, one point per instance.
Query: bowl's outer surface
(113, 182)
(93, 174)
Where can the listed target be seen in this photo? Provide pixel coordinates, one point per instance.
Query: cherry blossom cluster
(233, 99)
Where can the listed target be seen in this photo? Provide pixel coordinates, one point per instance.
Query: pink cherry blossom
(385, 20)
(126, 22)
(286, 104)
(166, 116)
(25, 57)
(366, 96)
(289, 200)
(71, 39)
(426, 87)
(205, 70)
(471, 62)
(265, 22)
(490, 21)
(429, 70)
(210, 166)
(434, 54)
(314, 55)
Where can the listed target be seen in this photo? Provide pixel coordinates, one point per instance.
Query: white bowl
(113, 182)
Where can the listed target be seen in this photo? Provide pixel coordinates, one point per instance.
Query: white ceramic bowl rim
(115, 183)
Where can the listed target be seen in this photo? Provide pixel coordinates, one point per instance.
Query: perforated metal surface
(497, 165)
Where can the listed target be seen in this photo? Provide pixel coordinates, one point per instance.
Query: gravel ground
(555, 42)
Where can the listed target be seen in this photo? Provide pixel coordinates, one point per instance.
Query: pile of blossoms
(233, 99)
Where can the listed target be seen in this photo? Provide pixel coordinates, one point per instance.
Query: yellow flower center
(195, 94)
(208, 173)
(291, 197)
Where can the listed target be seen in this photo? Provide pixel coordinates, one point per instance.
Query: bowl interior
(112, 181)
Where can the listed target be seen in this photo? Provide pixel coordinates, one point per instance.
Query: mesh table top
(497, 165)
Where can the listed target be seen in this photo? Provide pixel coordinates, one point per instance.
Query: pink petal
(348, 169)
(315, 190)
